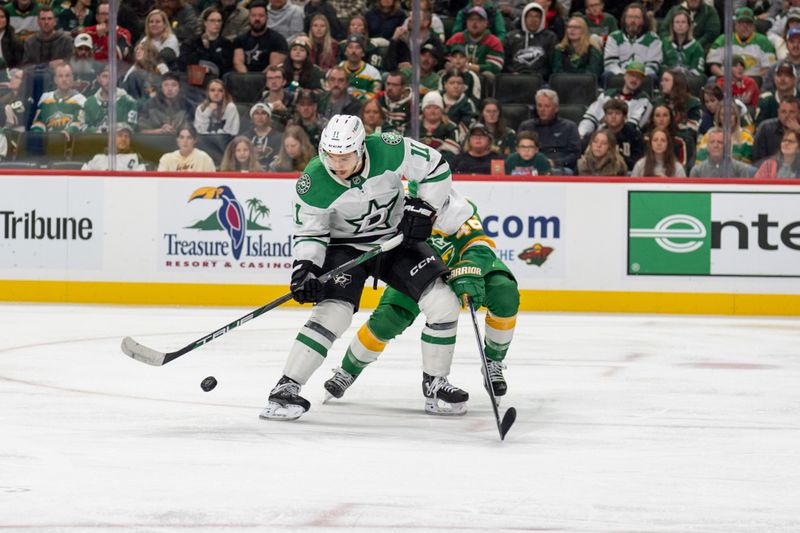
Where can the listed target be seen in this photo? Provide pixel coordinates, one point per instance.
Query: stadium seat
(516, 88)
(88, 145)
(244, 117)
(759, 80)
(617, 81)
(152, 146)
(573, 112)
(574, 88)
(245, 87)
(214, 144)
(65, 165)
(42, 146)
(515, 114)
(487, 86)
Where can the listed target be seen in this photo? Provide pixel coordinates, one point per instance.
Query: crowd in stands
(506, 86)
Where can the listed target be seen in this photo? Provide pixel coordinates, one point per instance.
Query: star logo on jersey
(391, 137)
(342, 280)
(377, 217)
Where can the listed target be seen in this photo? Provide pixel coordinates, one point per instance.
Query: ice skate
(443, 398)
(337, 384)
(499, 385)
(285, 402)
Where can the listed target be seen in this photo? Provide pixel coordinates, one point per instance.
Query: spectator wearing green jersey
(63, 108)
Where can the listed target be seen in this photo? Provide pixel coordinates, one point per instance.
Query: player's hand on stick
(305, 286)
(466, 280)
(417, 222)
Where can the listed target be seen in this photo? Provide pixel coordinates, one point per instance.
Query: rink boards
(574, 244)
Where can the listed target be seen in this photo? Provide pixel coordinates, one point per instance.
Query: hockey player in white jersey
(349, 199)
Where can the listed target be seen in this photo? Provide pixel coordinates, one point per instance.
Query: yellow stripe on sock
(501, 323)
(369, 340)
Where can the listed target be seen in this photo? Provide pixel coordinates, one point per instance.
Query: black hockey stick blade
(142, 353)
(511, 414)
(507, 422)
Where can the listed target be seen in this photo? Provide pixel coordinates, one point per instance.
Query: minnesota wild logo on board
(391, 137)
(303, 184)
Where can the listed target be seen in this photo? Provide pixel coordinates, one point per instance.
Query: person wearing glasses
(527, 161)
(786, 163)
(209, 50)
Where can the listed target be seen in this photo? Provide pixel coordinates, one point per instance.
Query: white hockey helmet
(342, 135)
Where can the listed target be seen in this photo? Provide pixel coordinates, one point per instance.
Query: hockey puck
(208, 384)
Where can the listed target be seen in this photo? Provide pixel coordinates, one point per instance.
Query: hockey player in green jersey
(349, 199)
(476, 272)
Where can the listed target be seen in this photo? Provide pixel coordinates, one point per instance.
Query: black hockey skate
(339, 383)
(285, 402)
(499, 385)
(438, 389)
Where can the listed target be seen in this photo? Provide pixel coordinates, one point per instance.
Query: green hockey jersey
(366, 208)
(57, 112)
(96, 111)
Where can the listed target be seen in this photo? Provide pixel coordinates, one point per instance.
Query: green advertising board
(713, 233)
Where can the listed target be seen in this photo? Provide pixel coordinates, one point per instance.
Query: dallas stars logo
(376, 218)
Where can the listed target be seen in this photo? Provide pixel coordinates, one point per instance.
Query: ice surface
(625, 424)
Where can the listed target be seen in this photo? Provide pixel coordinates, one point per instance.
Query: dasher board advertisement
(714, 234)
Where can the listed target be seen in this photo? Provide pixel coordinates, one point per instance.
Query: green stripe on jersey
(443, 176)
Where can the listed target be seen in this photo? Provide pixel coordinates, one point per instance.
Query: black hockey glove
(417, 222)
(305, 286)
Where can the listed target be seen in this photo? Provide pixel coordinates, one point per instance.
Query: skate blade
(442, 408)
(328, 397)
(276, 411)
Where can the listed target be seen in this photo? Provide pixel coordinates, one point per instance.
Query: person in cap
(168, 111)
(756, 49)
(496, 23)
(485, 51)
(384, 18)
(529, 50)
(306, 115)
(49, 45)
(706, 25)
(266, 140)
(633, 42)
(478, 152)
(126, 158)
(363, 80)
(639, 101)
(96, 107)
(457, 59)
(792, 56)
(429, 75)
(299, 68)
(785, 81)
(435, 128)
(782, 21)
(744, 87)
(261, 46)
(209, 50)
(84, 66)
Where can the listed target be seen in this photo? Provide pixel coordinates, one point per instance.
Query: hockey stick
(153, 357)
(511, 414)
